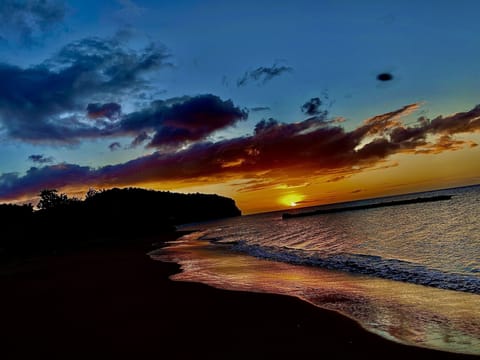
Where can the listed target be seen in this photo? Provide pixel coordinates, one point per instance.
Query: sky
(277, 104)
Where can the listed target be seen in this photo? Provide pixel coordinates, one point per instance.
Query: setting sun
(291, 199)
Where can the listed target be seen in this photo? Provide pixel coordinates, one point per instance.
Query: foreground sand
(113, 303)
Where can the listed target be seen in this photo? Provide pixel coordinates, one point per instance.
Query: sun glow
(291, 199)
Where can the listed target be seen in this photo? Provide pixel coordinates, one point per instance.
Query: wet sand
(117, 303)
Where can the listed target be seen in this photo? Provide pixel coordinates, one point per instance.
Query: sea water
(410, 273)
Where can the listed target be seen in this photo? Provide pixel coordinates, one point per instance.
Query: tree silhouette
(91, 193)
(49, 199)
(103, 217)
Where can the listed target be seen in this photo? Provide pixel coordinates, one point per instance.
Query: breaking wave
(371, 265)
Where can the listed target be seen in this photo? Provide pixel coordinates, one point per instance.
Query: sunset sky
(273, 103)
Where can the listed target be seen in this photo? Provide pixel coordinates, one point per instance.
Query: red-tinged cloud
(110, 111)
(275, 151)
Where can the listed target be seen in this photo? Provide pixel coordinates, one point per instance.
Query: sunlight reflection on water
(407, 313)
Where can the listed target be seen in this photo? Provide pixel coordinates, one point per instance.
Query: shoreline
(117, 302)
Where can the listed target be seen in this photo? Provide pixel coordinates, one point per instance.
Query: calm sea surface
(410, 273)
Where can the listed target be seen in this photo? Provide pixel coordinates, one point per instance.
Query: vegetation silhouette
(103, 217)
(49, 199)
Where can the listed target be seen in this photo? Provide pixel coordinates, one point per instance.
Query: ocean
(410, 273)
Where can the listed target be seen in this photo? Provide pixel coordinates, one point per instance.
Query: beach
(115, 302)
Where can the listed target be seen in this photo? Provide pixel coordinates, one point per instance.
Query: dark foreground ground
(116, 303)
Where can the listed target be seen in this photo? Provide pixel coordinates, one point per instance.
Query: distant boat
(367, 206)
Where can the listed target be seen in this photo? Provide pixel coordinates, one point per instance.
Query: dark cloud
(40, 159)
(259, 108)
(266, 125)
(28, 21)
(56, 176)
(307, 202)
(92, 69)
(312, 107)
(462, 122)
(182, 120)
(114, 146)
(140, 139)
(279, 150)
(81, 71)
(263, 74)
(111, 111)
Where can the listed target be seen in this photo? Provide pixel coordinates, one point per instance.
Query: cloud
(260, 108)
(183, 120)
(462, 122)
(263, 74)
(95, 68)
(312, 107)
(40, 159)
(114, 146)
(111, 111)
(276, 152)
(28, 21)
(125, 33)
(12, 185)
(129, 10)
(56, 176)
(81, 71)
(84, 71)
(140, 139)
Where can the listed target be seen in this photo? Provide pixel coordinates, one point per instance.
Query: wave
(371, 265)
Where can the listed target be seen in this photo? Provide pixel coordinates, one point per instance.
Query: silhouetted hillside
(155, 205)
(108, 216)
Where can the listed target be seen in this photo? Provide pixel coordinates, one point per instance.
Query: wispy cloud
(263, 74)
(27, 22)
(40, 159)
(129, 10)
(114, 146)
(140, 139)
(260, 108)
